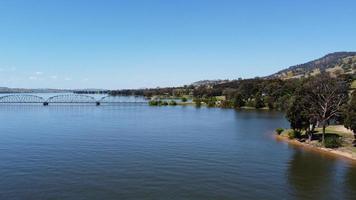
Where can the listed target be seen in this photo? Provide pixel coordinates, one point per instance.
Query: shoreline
(332, 152)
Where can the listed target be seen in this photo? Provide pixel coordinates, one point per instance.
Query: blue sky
(139, 43)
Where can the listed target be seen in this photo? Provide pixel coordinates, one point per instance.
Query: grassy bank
(339, 141)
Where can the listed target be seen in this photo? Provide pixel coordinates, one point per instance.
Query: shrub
(250, 103)
(158, 103)
(172, 103)
(184, 99)
(211, 103)
(153, 103)
(279, 130)
(294, 134)
(226, 104)
(197, 102)
(332, 141)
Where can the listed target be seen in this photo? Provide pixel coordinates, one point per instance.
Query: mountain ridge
(335, 63)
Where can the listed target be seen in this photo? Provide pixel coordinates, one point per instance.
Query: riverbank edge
(205, 105)
(333, 152)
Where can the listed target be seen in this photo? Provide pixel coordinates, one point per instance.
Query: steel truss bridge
(67, 99)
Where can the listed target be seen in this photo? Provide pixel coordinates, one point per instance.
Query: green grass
(353, 85)
(330, 130)
(347, 137)
(333, 129)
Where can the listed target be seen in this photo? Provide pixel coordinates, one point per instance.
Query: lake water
(142, 152)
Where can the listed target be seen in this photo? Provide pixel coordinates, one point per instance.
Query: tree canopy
(350, 115)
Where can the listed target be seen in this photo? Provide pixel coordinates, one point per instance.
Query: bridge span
(67, 99)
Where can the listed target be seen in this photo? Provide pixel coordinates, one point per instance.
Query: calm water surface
(142, 152)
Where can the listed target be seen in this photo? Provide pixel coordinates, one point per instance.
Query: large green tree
(318, 100)
(350, 115)
(326, 96)
(300, 113)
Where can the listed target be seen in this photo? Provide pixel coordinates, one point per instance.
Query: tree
(197, 102)
(270, 102)
(259, 103)
(297, 117)
(300, 113)
(238, 101)
(326, 95)
(350, 115)
(225, 104)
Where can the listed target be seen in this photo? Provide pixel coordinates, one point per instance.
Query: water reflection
(350, 183)
(310, 177)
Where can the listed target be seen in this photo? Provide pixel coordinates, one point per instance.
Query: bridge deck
(64, 99)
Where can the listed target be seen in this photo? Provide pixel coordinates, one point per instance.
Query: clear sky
(149, 43)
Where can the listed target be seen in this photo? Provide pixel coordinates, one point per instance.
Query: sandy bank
(339, 152)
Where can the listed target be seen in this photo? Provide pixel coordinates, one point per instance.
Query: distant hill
(209, 82)
(335, 63)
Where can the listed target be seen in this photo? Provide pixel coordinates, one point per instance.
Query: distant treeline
(258, 92)
(91, 91)
(164, 92)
